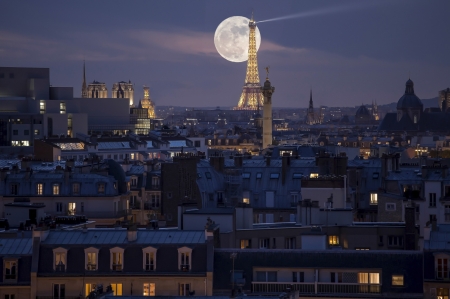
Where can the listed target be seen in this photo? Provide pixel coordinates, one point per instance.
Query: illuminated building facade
(123, 90)
(147, 103)
(251, 95)
(267, 91)
(97, 90)
(312, 117)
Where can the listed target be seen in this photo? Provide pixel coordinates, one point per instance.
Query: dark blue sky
(352, 53)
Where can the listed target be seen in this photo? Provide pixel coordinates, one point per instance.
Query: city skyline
(350, 54)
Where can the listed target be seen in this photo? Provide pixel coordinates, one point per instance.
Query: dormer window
(76, 188)
(134, 181)
(116, 261)
(149, 258)
(55, 189)
(101, 188)
(91, 258)
(59, 257)
(441, 266)
(10, 272)
(184, 258)
(39, 188)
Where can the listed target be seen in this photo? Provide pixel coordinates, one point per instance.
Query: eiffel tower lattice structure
(251, 95)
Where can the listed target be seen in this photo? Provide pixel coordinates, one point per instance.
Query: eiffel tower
(251, 95)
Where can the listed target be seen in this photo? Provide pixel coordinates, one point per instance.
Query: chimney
(132, 233)
(25, 163)
(285, 163)
(27, 173)
(238, 160)
(268, 160)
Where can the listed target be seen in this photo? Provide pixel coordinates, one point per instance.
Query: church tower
(84, 92)
(147, 103)
(310, 115)
(124, 89)
(251, 92)
(267, 91)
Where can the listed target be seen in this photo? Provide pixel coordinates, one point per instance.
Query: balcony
(91, 267)
(135, 205)
(184, 268)
(117, 267)
(151, 206)
(60, 267)
(321, 288)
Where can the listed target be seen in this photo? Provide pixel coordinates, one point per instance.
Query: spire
(84, 87)
(310, 100)
(251, 93)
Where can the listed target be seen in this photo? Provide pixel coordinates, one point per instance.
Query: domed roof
(362, 111)
(409, 99)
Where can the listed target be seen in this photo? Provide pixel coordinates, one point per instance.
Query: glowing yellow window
(333, 240)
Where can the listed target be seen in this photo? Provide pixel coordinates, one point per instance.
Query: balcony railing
(91, 267)
(117, 267)
(151, 206)
(321, 288)
(184, 268)
(135, 205)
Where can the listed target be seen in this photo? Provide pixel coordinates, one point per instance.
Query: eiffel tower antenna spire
(251, 95)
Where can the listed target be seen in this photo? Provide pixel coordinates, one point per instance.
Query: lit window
(42, 107)
(373, 198)
(184, 258)
(39, 189)
(55, 189)
(246, 243)
(10, 267)
(258, 175)
(116, 254)
(149, 258)
(149, 289)
(246, 197)
(274, 175)
(333, 240)
(76, 188)
(117, 289)
(72, 208)
(62, 108)
(184, 289)
(314, 175)
(59, 291)
(397, 280)
(91, 255)
(59, 255)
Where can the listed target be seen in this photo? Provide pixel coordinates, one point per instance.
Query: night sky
(351, 53)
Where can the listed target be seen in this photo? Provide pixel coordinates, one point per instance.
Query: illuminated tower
(267, 92)
(123, 90)
(147, 103)
(251, 92)
(84, 92)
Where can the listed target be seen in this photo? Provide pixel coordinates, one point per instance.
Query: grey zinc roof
(15, 246)
(119, 236)
(439, 239)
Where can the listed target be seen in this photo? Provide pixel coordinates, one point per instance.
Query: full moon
(231, 39)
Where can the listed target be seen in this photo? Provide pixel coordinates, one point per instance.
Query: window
(116, 261)
(274, 175)
(270, 198)
(298, 276)
(246, 197)
(36, 132)
(134, 181)
(42, 107)
(264, 243)
(373, 198)
(184, 289)
(149, 289)
(246, 243)
(15, 132)
(442, 268)
(258, 175)
(336, 277)
(333, 240)
(91, 258)
(246, 175)
(397, 280)
(14, 188)
(447, 213)
(149, 258)
(62, 108)
(117, 289)
(155, 182)
(197, 143)
(390, 206)
(10, 267)
(294, 197)
(82, 207)
(369, 278)
(59, 291)
(396, 241)
(101, 188)
(59, 206)
(432, 202)
(55, 189)
(289, 243)
(155, 200)
(10, 296)
(59, 257)
(39, 188)
(72, 208)
(297, 176)
(76, 188)
(313, 175)
(375, 175)
(184, 258)
(269, 218)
